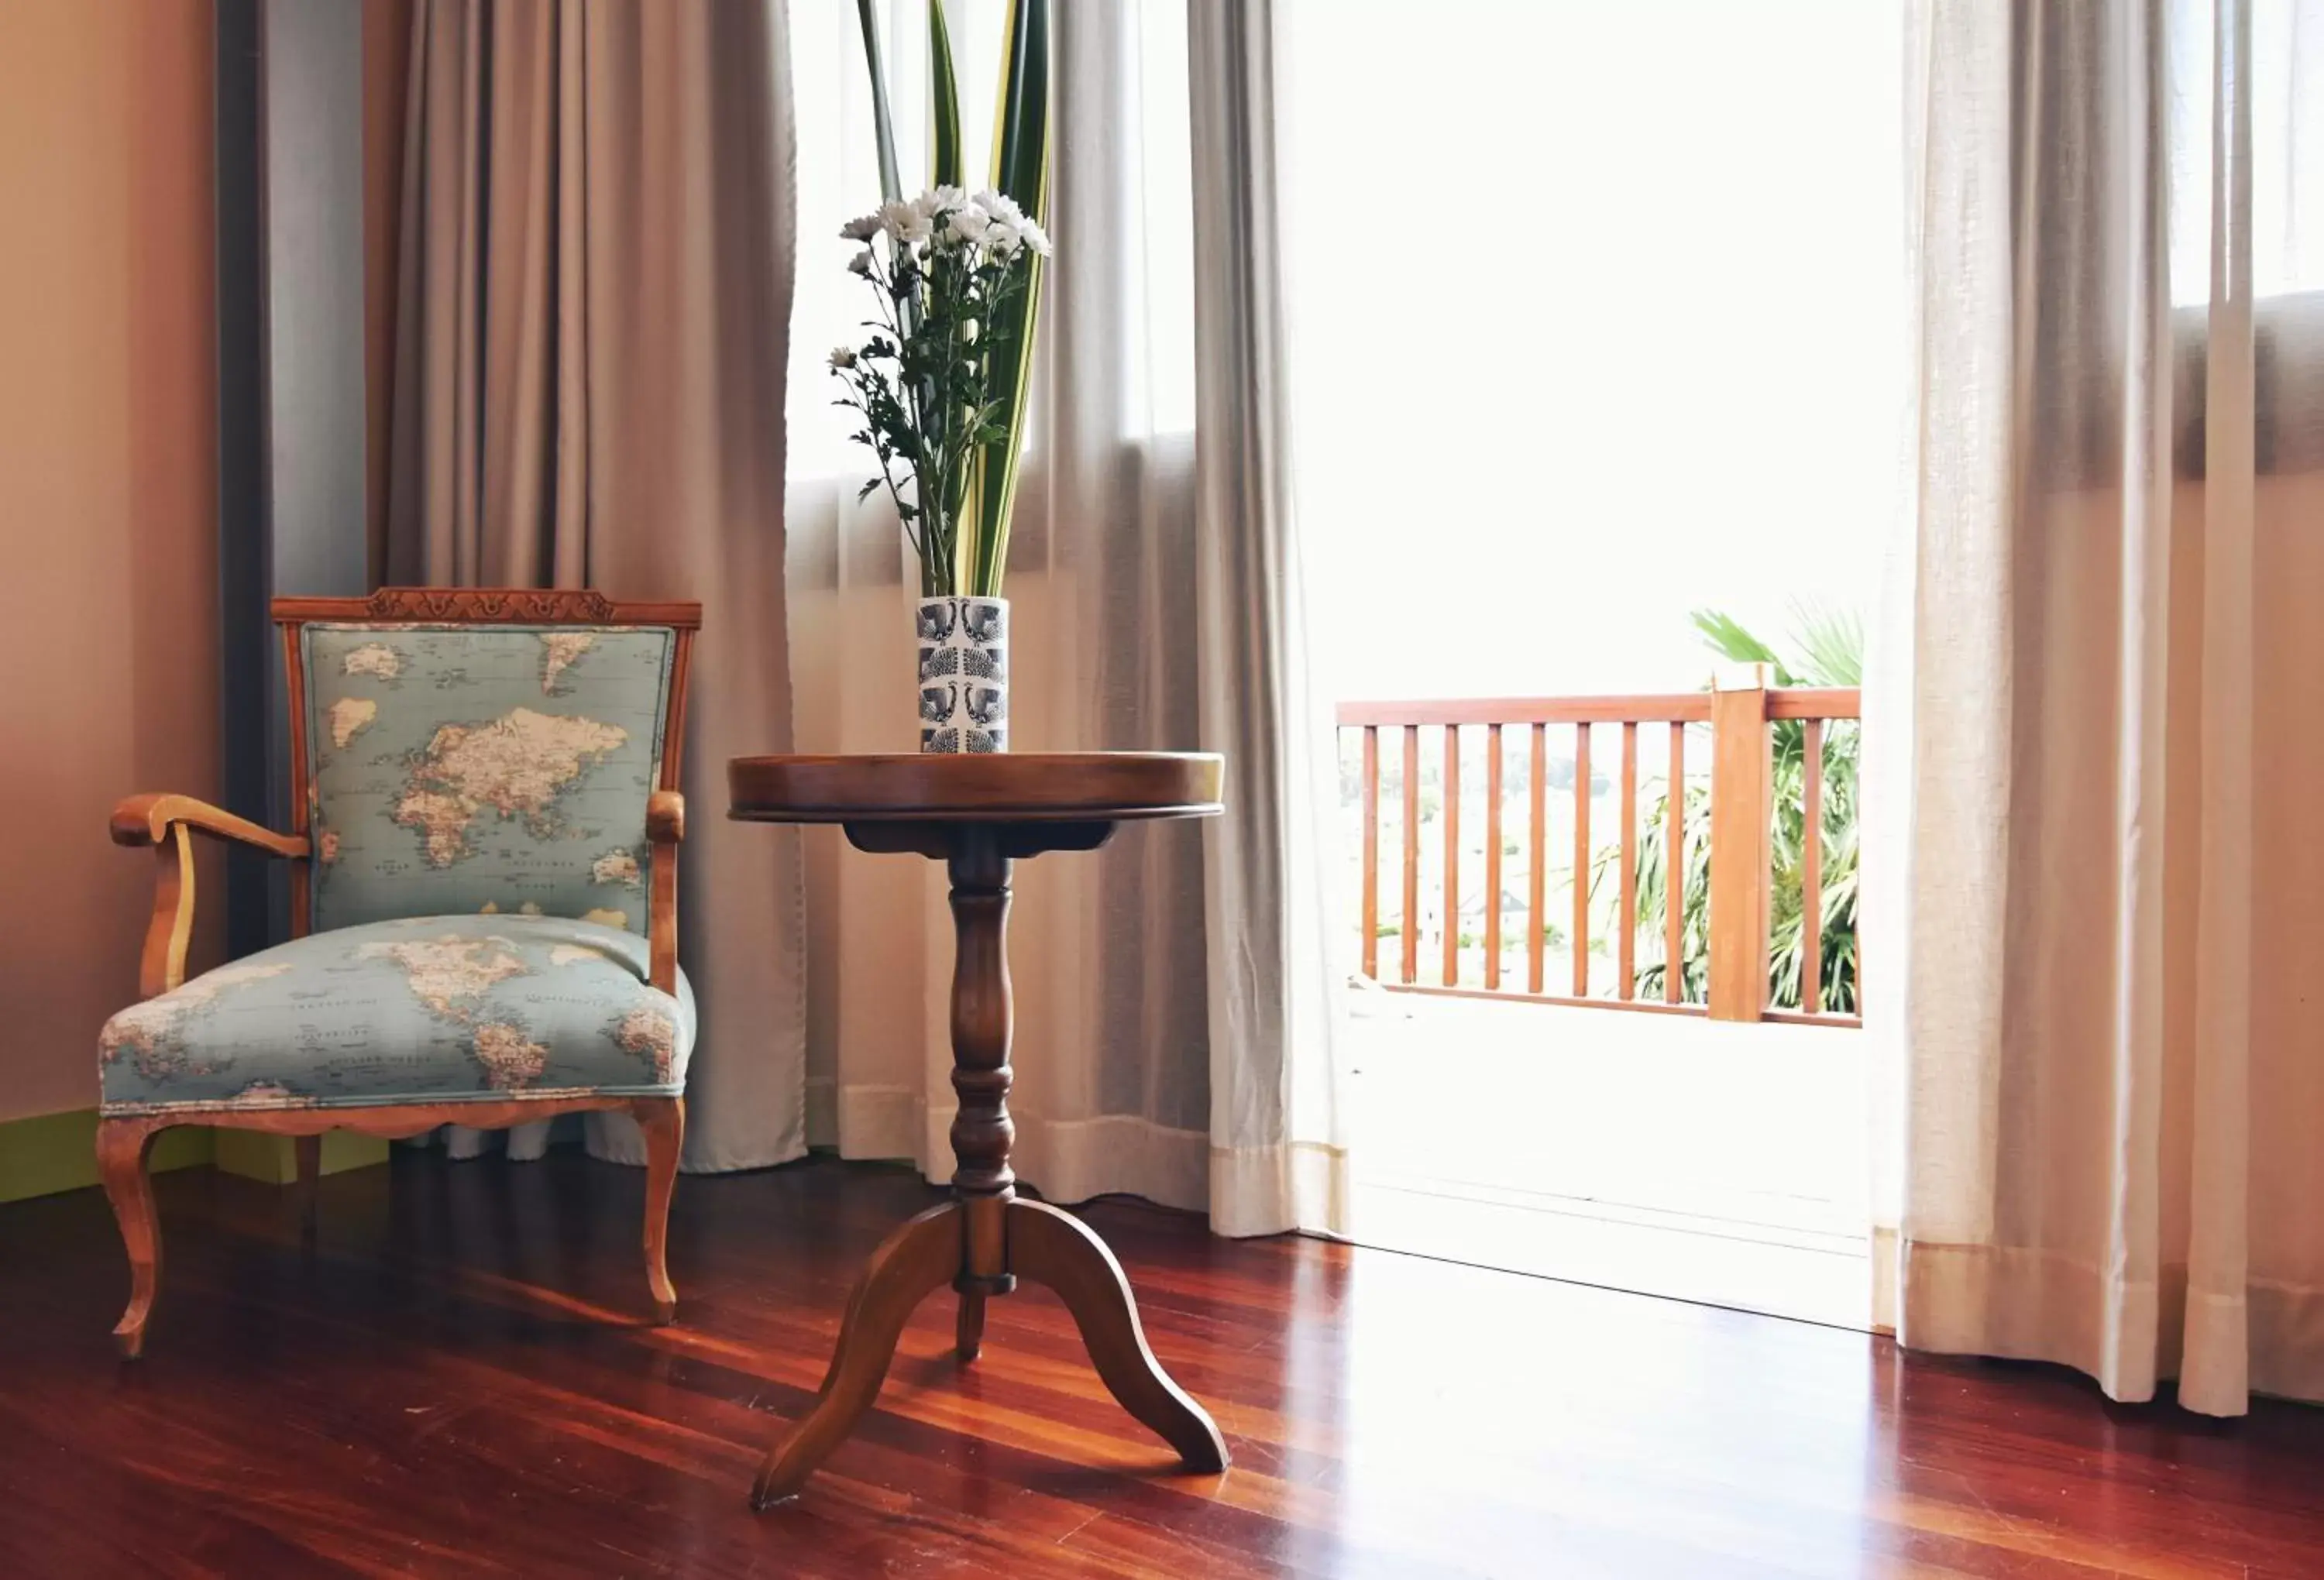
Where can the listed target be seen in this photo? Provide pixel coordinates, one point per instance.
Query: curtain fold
(1279, 1153)
(2106, 1084)
(593, 300)
(1134, 967)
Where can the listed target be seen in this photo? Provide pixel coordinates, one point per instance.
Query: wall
(108, 502)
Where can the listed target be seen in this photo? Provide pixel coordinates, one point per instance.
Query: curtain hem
(1065, 1160)
(2021, 1302)
(1276, 1189)
(2027, 1303)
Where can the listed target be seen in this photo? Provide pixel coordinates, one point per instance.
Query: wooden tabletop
(1018, 786)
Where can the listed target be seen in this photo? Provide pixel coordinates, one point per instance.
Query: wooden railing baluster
(1674, 870)
(1626, 958)
(1411, 853)
(1493, 856)
(1371, 852)
(1858, 809)
(1536, 913)
(1581, 861)
(1451, 855)
(1812, 867)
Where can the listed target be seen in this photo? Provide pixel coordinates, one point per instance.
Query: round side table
(978, 814)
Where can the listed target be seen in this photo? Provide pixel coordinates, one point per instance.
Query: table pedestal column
(985, 1238)
(982, 1133)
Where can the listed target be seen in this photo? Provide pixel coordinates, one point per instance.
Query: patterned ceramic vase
(963, 644)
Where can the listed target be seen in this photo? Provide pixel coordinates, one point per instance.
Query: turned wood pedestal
(978, 814)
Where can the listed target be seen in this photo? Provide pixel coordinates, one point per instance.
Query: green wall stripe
(50, 1153)
(256, 1155)
(58, 1151)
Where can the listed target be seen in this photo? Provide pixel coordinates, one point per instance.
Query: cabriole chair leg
(663, 1120)
(123, 1146)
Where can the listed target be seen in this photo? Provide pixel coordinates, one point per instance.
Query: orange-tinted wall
(108, 487)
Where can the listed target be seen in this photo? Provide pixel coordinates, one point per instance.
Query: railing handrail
(1618, 708)
(1815, 701)
(1639, 707)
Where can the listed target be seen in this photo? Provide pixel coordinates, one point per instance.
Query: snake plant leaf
(1020, 169)
(944, 113)
(883, 128)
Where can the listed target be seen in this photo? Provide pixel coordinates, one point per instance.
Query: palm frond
(1729, 639)
(1831, 644)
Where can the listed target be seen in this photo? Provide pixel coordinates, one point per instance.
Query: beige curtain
(591, 332)
(2100, 699)
(1145, 978)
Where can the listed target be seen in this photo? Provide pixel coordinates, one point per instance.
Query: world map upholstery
(429, 1009)
(493, 769)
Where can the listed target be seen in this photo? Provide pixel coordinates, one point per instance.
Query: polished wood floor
(452, 1382)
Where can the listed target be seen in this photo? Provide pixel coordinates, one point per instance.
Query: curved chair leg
(1059, 1250)
(309, 1150)
(663, 1120)
(918, 1257)
(123, 1146)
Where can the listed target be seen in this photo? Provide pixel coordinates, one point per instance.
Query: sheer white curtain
(1280, 1156)
(2091, 802)
(1116, 955)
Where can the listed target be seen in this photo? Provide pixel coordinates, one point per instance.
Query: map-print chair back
(481, 751)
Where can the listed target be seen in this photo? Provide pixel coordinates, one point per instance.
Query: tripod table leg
(916, 1258)
(1057, 1249)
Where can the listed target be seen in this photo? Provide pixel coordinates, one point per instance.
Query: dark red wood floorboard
(452, 1380)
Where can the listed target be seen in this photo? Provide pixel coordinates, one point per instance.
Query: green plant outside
(1827, 651)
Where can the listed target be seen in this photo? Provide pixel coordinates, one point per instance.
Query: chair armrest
(665, 826)
(163, 823)
(146, 820)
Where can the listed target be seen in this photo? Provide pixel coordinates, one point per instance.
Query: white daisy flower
(904, 222)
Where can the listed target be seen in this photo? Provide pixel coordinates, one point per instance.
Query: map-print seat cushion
(427, 1009)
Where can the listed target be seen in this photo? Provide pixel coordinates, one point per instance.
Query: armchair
(485, 818)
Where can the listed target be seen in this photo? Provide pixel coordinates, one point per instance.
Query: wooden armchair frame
(167, 823)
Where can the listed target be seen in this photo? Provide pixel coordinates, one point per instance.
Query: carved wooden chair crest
(485, 822)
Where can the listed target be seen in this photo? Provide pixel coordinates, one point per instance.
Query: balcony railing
(1724, 850)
